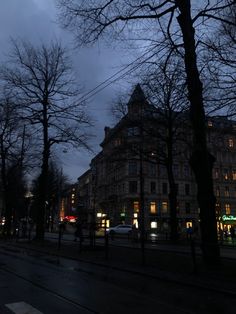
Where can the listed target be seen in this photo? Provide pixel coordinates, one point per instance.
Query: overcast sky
(35, 20)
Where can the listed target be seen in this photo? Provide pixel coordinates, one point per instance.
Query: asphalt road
(35, 283)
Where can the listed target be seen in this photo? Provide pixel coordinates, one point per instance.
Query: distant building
(129, 165)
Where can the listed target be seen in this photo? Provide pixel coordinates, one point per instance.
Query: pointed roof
(137, 95)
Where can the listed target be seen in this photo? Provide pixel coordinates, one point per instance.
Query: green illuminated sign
(228, 217)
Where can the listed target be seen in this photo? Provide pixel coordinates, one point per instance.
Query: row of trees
(40, 108)
(183, 28)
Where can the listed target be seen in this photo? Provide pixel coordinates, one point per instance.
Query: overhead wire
(110, 80)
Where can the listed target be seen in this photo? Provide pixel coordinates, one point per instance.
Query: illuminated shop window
(153, 208)
(153, 224)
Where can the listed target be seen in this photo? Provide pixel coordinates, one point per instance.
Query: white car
(120, 229)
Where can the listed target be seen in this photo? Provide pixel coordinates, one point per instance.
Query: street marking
(22, 308)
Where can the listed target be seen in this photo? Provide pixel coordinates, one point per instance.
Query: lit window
(99, 215)
(231, 142)
(73, 195)
(227, 209)
(164, 207)
(153, 224)
(234, 174)
(217, 191)
(226, 175)
(136, 207)
(153, 208)
(217, 209)
(72, 201)
(226, 191)
(117, 142)
(210, 124)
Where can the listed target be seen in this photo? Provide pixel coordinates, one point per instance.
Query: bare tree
(47, 94)
(91, 21)
(13, 148)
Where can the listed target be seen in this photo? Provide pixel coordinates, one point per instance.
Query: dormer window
(210, 124)
(133, 131)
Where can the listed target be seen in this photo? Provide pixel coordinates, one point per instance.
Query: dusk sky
(35, 21)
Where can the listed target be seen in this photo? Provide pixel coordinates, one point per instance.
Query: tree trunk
(201, 161)
(43, 180)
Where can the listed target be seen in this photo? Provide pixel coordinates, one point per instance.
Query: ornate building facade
(130, 174)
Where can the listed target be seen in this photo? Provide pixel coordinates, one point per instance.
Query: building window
(217, 209)
(153, 187)
(164, 188)
(210, 124)
(217, 191)
(187, 189)
(153, 171)
(136, 208)
(164, 207)
(176, 170)
(177, 189)
(234, 174)
(186, 171)
(187, 208)
(117, 142)
(133, 186)
(227, 209)
(153, 208)
(226, 191)
(133, 131)
(231, 142)
(226, 174)
(153, 224)
(133, 168)
(216, 173)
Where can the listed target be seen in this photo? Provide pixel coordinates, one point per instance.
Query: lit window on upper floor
(73, 195)
(136, 207)
(153, 207)
(117, 142)
(234, 174)
(226, 191)
(230, 142)
(164, 207)
(226, 174)
(227, 209)
(217, 206)
(210, 124)
(216, 173)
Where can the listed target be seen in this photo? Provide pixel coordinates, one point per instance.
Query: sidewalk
(159, 263)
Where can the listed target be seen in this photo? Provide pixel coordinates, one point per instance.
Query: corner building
(130, 171)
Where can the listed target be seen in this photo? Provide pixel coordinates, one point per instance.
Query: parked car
(120, 229)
